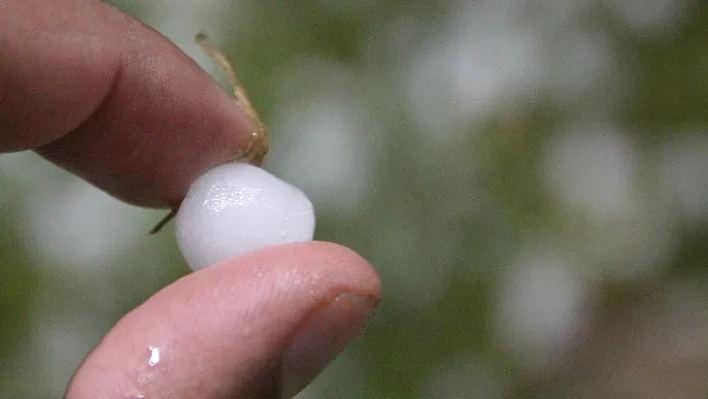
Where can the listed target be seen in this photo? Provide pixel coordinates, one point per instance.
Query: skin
(114, 102)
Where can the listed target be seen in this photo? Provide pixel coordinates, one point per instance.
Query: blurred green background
(529, 178)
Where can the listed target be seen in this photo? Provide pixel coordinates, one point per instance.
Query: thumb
(262, 325)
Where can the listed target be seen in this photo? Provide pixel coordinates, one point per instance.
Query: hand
(105, 97)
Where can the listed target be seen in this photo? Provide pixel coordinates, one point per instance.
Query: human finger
(111, 100)
(258, 326)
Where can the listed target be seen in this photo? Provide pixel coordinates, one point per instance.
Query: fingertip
(225, 330)
(341, 258)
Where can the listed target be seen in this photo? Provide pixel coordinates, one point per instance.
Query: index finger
(111, 100)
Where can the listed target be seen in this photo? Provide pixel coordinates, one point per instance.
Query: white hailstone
(237, 208)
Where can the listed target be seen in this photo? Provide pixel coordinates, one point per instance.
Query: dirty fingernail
(325, 333)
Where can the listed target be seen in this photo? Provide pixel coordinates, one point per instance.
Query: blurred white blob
(593, 173)
(578, 68)
(329, 160)
(325, 145)
(181, 20)
(541, 302)
(24, 171)
(237, 208)
(463, 378)
(683, 176)
(80, 227)
(483, 59)
(649, 16)
(593, 169)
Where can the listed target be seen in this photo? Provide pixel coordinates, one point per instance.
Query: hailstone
(237, 208)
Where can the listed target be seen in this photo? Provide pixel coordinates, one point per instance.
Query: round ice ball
(236, 208)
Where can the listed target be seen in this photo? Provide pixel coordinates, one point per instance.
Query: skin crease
(101, 95)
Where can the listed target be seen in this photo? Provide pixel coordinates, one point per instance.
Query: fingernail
(326, 332)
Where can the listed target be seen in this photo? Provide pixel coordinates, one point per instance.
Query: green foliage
(448, 216)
